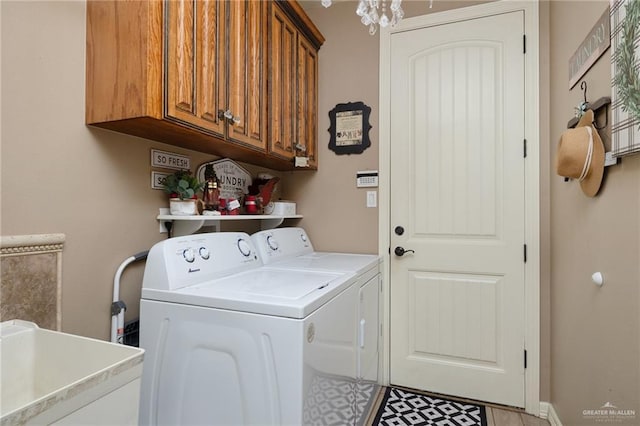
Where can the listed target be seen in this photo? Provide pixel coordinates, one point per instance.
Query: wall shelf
(187, 225)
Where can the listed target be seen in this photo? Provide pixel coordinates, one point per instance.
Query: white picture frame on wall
(625, 77)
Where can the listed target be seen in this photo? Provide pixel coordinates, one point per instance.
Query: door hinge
(525, 148)
(525, 253)
(524, 43)
(525, 358)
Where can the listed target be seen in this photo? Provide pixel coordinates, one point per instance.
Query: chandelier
(374, 13)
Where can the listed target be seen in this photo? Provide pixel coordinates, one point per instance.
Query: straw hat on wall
(580, 155)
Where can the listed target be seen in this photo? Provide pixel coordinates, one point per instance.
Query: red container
(250, 204)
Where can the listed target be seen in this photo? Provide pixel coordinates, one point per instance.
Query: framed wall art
(349, 131)
(625, 92)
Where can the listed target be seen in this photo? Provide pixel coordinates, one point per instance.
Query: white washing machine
(291, 248)
(231, 342)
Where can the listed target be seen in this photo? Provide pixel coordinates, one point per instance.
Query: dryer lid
(327, 261)
(270, 283)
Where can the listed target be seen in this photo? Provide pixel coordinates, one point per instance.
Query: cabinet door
(282, 84)
(307, 113)
(195, 51)
(247, 62)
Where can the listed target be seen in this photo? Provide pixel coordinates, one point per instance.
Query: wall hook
(596, 107)
(583, 87)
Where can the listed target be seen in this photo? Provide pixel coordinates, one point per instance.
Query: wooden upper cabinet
(216, 54)
(282, 80)
(195, 87)
(307, 101)
(124, 62)
(293, 83)
(167, 70)
(247, 72)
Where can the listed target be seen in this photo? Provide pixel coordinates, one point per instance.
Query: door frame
(532, 177)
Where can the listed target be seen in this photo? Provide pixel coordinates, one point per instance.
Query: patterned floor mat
(402, 408)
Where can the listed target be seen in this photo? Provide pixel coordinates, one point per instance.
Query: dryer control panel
(281, 244)
(193, 259)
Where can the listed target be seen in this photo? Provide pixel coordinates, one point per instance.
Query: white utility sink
(48, 377)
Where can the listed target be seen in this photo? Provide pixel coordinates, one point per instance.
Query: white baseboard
(548, 412)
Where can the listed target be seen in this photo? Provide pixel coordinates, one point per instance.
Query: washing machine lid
(277, 292)
(327, 261)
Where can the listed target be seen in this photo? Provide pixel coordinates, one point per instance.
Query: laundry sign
(234, 179)
(597, 42)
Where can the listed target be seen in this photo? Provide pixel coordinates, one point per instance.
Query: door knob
(400, 251)
(399, 230)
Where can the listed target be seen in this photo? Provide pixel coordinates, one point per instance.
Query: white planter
(180, 207)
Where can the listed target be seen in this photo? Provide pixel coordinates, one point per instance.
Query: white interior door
(457, 190)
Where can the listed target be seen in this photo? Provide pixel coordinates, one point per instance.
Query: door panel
(307, 103)
(458, 95)
(211, 60)
(181, 61)
(282, 80)
(457, 187)
(195, 77)
(247, 71)
(459, 319)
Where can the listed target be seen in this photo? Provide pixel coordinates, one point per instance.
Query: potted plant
(182, 188)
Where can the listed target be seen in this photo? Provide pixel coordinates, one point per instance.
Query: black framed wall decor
(349, 131)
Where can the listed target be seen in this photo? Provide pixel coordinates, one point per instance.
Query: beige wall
(335, 212)
(595, 347)
(59, 175)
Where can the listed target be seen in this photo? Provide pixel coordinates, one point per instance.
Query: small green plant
(182, 184)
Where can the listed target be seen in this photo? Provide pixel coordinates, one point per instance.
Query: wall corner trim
(31, 244)
(548, 412)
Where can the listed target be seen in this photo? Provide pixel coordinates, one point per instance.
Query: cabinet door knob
(228, 116)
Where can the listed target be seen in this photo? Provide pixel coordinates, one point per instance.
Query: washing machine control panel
(195, 258)
(189, 254)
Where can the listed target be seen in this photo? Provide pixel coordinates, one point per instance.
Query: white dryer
(291, 248)
(231, 342)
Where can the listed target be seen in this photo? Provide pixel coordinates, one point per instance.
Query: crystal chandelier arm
(368, 10)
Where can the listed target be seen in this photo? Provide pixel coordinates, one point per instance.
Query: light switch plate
(372, 199)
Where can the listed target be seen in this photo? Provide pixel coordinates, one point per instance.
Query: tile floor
(496, 415)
